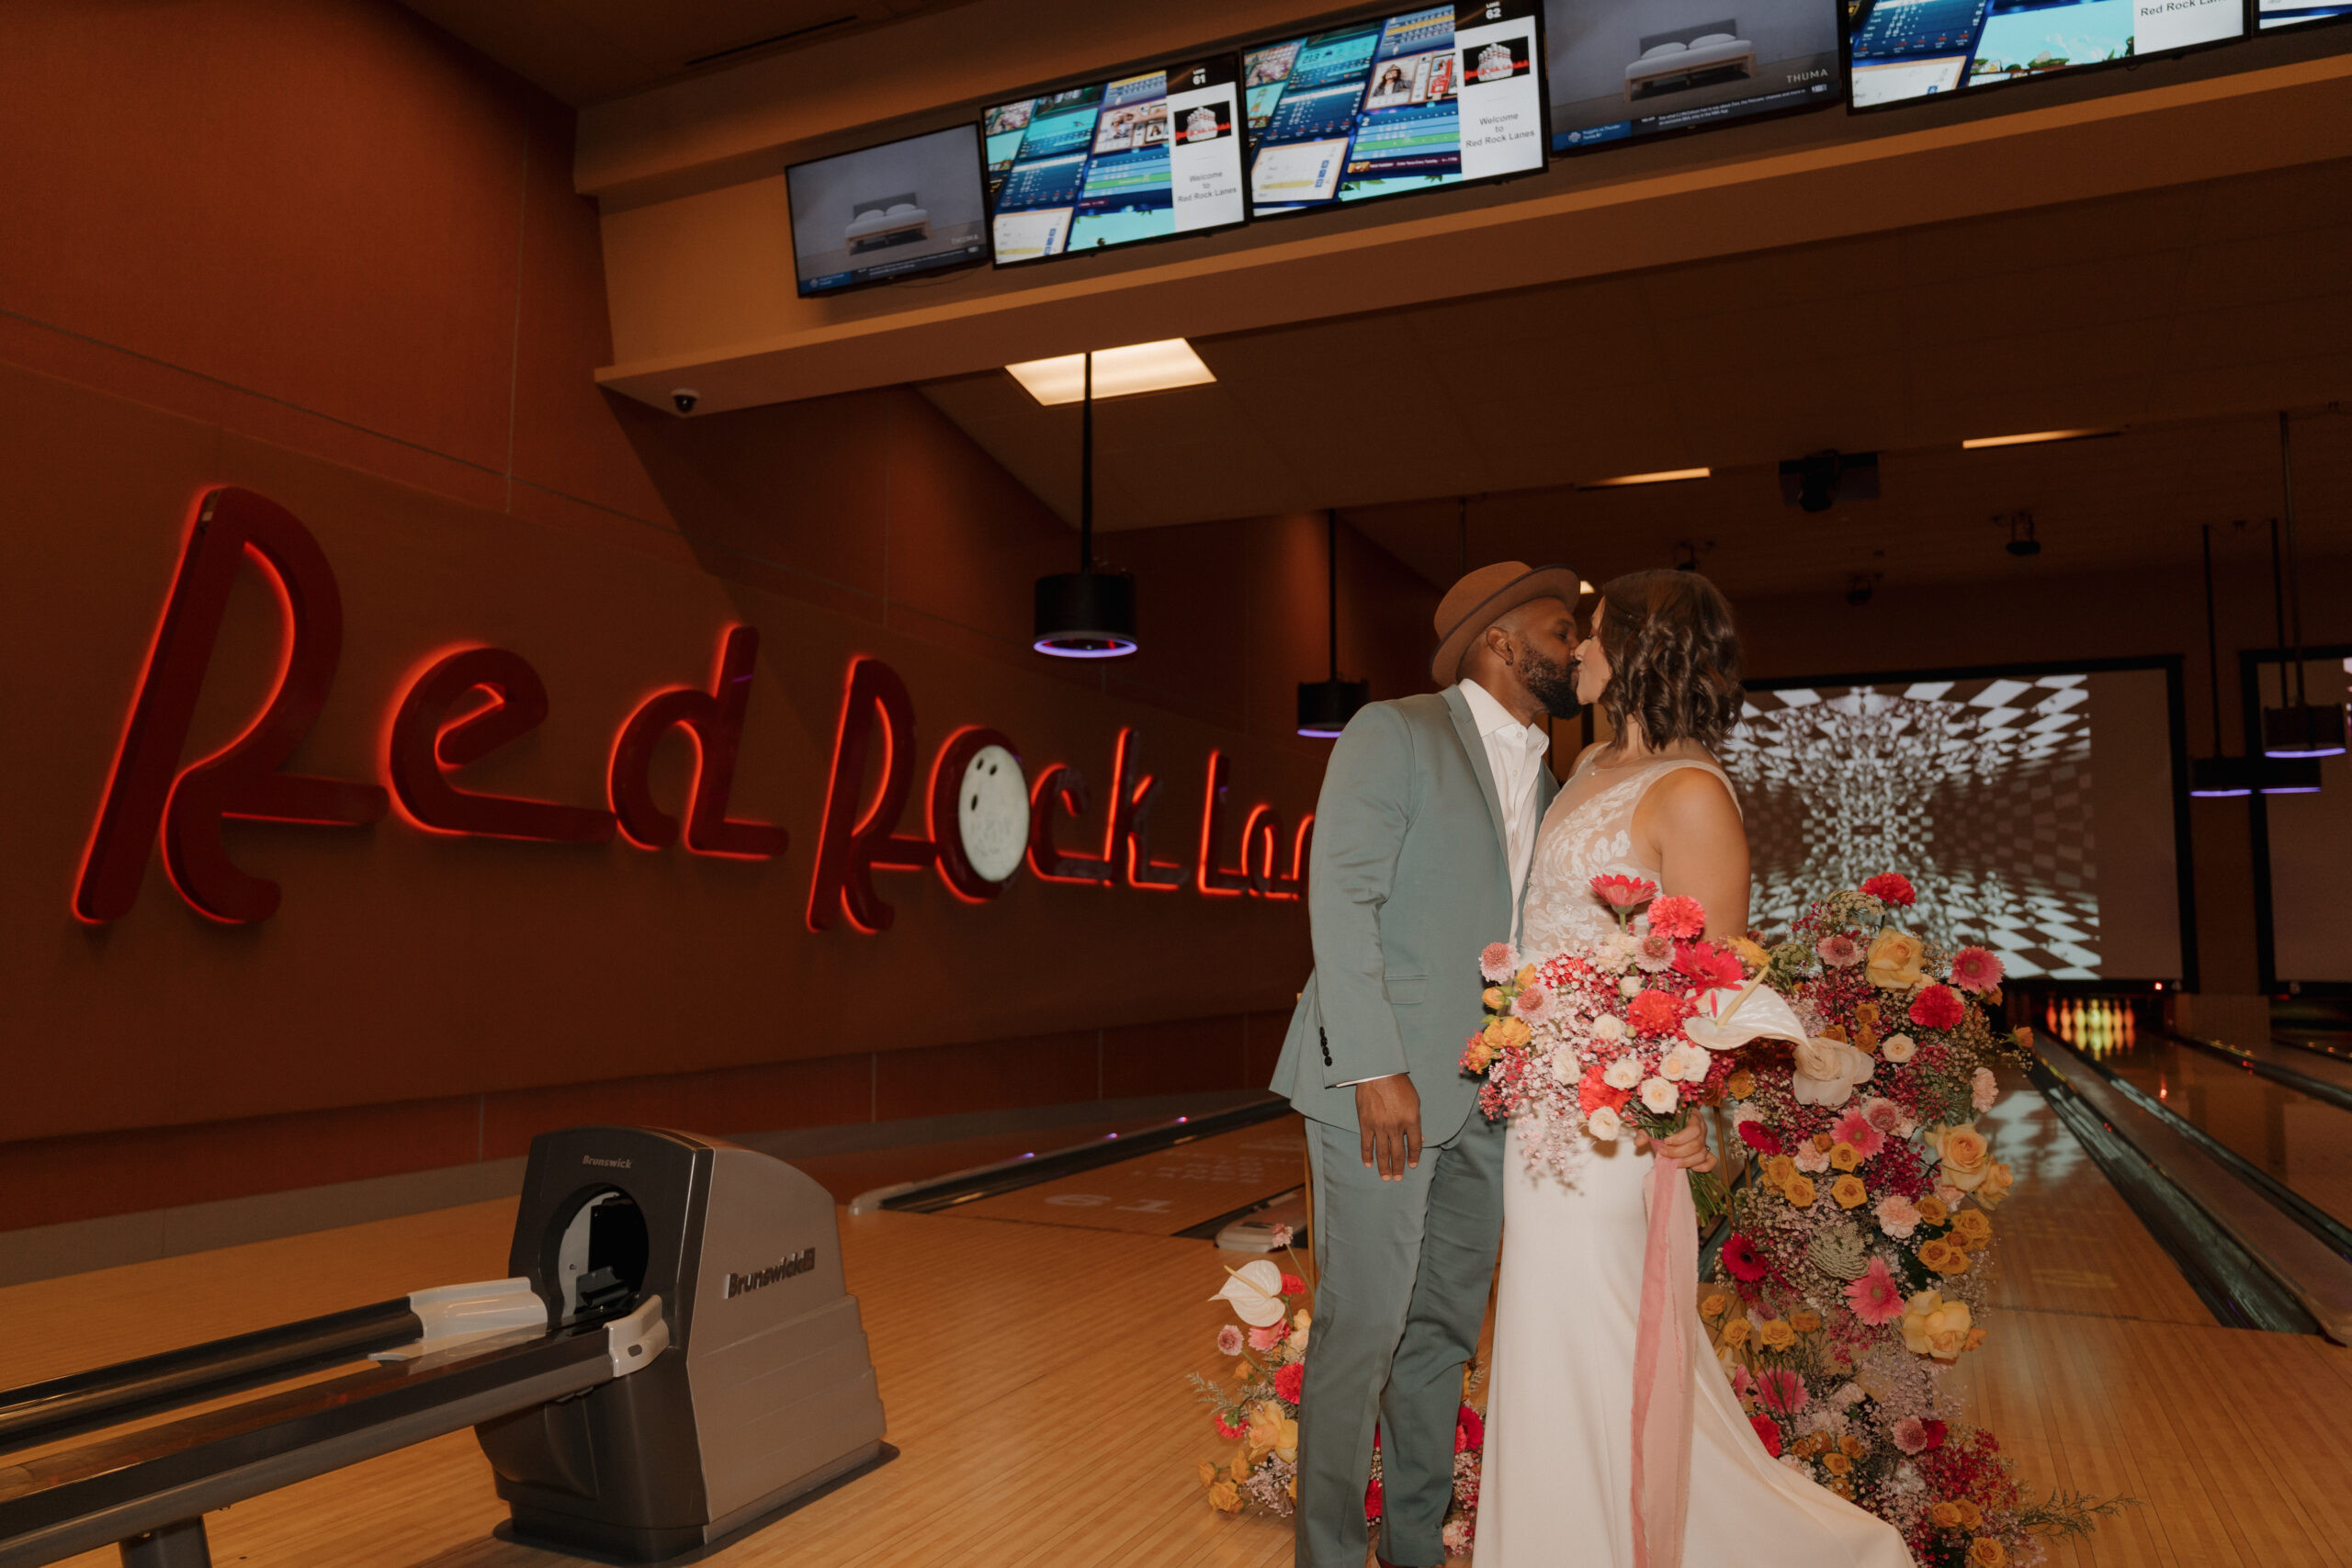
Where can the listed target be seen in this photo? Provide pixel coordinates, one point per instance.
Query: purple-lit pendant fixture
(1325, 706)
(2220, 777)
(1086, 614)
(2296, 731)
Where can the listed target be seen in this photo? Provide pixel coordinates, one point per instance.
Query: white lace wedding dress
(1557, 1485)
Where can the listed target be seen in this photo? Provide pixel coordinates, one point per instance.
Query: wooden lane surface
(1160, 1194)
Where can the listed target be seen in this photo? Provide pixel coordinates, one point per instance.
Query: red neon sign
(465, 703)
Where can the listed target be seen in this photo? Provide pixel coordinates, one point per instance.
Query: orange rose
(1932, 1211)
(1997, 1185)
(1492, 999)
(1777, 1334)
(1851, 1446)
(1736, 1332)
(1837, 1464)
(1715, 1305)
(1850, 1192)
(1741, 1084)
(1986, 1552)
(1822, 1143)
(1971, 1516)
(1798, 1191)
(1778, 1170)
(1966, 1155)
(1866, 1012)
(1844, 1157)
(1973, 1229)
(1226, 1497)
(1945, 1515)
(1836, 1031)
(1805, 1320)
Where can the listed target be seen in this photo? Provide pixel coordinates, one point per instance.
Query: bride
(1662, 663)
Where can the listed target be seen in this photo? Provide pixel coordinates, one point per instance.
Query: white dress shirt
(1515, 756)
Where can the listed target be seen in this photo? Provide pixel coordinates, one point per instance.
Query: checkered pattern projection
(1977, 790)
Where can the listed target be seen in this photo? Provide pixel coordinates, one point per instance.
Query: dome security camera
(684, 399)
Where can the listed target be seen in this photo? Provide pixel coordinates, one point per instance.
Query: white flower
(1609, 1028)
(1660, 1094)
(1828, 1070)
(1687, 1062)
(1616, 951)
(1898, 1047)
(1746, 1111)
(1622, 1073)
(1255, 1290)
(1848, 1395)
(1604, 1124)
(1630, 986)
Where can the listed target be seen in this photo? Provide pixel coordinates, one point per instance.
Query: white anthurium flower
(1255, 1290)
(1622, 1073)
(1730, 1017)
(1828, 1071)
(1660, 1095)
(1604, 1124)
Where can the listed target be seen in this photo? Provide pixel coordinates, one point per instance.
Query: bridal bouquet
(1631, 1033)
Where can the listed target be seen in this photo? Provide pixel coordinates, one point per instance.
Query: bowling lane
(2302, 1141)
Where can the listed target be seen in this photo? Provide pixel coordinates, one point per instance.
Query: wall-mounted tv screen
(1414, 100)
(887, 212)
(1142, 157)
(1901, 50)
(1623, 69)
(2036, 810)
(2287, 13)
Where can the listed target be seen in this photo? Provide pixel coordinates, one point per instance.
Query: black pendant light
(1325, 706)
(2221, 777)
(2296, 729)
(1086, 614)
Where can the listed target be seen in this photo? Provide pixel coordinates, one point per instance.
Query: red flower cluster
(1623, 891)
(1656, 1012)
(1290, 1381)
(1938, 1007)
(1892, 887)
(1761, 1138)
(1595, 1093)
(1292, 1285)
(1469, 1431)
(1708, 965)
(1742, 1258)
(1770, 1430)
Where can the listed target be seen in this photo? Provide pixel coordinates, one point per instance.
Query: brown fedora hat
(1483, 597)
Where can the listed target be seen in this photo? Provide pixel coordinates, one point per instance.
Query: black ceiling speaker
(2023, 543)
(1820, 480)
(1086, 614)
(1325, 706)
(2296, 729)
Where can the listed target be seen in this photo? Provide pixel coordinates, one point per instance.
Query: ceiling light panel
(1118, 372)
(1664, 476)
(2031, 438)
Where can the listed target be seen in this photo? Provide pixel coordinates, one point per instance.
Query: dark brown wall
(320, 251)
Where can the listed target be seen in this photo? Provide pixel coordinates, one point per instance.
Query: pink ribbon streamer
(1662, 1412)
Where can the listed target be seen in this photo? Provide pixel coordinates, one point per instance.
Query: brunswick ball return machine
(675, 1357)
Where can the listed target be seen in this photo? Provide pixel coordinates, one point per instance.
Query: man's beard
(1551, 683)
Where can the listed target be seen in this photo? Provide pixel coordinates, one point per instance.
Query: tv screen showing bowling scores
(1408, 101)
(1116, 162)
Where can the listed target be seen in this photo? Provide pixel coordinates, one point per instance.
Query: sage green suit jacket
(1407, 879)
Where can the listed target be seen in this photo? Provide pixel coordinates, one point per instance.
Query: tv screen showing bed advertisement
(1901, 50)
(887, 212)
(1620, 70)
(1409, 101)
(2035, 809)
(2288, 13)
(1111, 163)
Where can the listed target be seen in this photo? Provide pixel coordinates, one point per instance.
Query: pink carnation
(1290, 1382)
(1229, 1341)
(1984, 1089)
(1840, 952)
(1875, 1298)
(1898, 1216)
(1679, 916)
(1742, 1384)
(1975, 971)
(1498, 962)
(1856, 1128)
(1264, 1340)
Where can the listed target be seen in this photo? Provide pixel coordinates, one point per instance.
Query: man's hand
(1687, 1148)
(1389, 1113)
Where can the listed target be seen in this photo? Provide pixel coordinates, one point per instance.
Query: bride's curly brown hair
(1673, 657)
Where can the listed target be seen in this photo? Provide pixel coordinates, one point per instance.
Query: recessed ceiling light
(1664, 476)
(1583, 587)
(1118, 372)
(2034, 437)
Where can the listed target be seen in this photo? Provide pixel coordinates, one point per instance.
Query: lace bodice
(1580, 840)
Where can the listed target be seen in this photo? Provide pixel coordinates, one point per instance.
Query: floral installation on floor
(1258, 1412)
(1854, 1061)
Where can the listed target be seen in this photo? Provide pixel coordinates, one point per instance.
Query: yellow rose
(1492, 999)
(1805, 1320)
(1932, 1211)
(1997, 1185)
(1973, 1228)
(1971, 1516)
(1837, 1464)
(1844, 1157)
(1736, 1332)
(1798, 1191)
(1777, 1334)
(1265, 1428)
(1240, 1465)
(1894, 961)
(1778, 1171)
(1503, 1034)
(1851, 1446)
(1226, 1497)
(1525, 978)
(1749, 954)
(1934, 1327)
(1850, 1192)
(1741, 1084)
(1945, 1515)
(1836, 1031)
(1208, 1473)
(1955, 1262)
(1975, 1337)
(1966, 1155)
(1715, 1305)
(1843, 1487)
(1866, 1039)
(1824, 1142)
(1986, 1552)
(1866, 1012)
(1287, 1442)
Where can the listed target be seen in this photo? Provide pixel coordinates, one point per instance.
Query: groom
(1423, 837)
